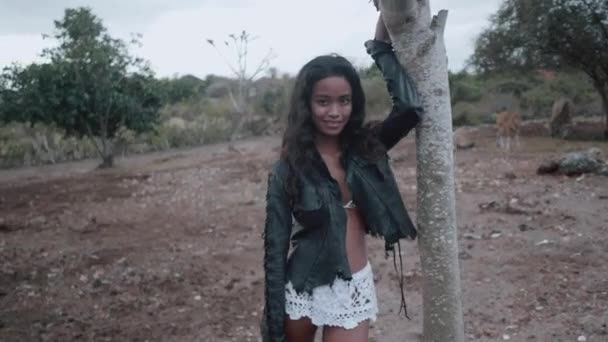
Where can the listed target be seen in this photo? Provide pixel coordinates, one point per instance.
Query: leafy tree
(186, 87)
(90, 86)
(548, 34)
(464, 87)
(370, 72)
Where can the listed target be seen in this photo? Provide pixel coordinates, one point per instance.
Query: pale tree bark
(603, 90)
(244, 78)
(419, 44)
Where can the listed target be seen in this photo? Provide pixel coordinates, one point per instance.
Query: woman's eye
(322, 102)
(345, 101)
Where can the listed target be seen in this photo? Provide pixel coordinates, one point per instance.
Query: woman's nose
(334, 111)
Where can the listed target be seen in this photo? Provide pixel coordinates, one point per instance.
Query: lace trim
(344, 303)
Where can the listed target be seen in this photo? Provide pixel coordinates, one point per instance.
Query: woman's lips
(333, 123)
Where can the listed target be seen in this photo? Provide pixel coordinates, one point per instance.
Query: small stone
(198, 297)
(39, 220)
(84, 278)
(581, 338)
(506, 337)
(464, 255)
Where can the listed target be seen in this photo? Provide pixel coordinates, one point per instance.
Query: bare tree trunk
(601, 86)
(107, 155)
(604, 96)
(41, 147)
(107, 142)
(104, 147)
(241, 106)
(418, 41)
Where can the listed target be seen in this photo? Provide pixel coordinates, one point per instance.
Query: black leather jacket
(319, 253)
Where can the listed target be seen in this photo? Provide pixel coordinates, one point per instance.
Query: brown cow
(507, 129)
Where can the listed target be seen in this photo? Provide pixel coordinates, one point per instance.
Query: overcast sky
(174, 31)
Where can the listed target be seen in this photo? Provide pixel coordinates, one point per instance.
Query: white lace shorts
(345, 303)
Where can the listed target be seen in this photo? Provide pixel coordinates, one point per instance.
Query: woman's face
(331, 105)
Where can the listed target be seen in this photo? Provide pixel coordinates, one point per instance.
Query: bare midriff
(356, 249)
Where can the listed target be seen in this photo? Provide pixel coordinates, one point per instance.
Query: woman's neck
(327, 146)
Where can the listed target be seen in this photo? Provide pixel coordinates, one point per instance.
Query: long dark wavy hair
(298, 148)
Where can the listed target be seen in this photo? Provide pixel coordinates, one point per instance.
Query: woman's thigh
(336, 334)
(301, 330)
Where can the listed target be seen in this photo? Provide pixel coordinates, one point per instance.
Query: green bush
(377, 100)
(538, 101)
(464, 87)
(197, 120)
(469, 114)
(474, 97)
(25, 145)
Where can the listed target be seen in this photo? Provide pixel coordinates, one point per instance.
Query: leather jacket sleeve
(406, 110)
(277, 234)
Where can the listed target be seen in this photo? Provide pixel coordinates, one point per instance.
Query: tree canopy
(548, 34)
(90, 84)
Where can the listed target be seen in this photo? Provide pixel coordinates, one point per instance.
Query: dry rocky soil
(167, 247)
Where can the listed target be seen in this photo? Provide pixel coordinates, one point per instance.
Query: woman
(333, 177)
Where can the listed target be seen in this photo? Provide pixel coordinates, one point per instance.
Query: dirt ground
(167, 247)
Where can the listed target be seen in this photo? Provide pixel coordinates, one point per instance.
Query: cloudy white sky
(174, 31)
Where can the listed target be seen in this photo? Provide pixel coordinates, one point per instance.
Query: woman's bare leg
(337, 334)
(301, 330)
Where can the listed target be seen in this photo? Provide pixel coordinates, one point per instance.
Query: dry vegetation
(167, 247)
